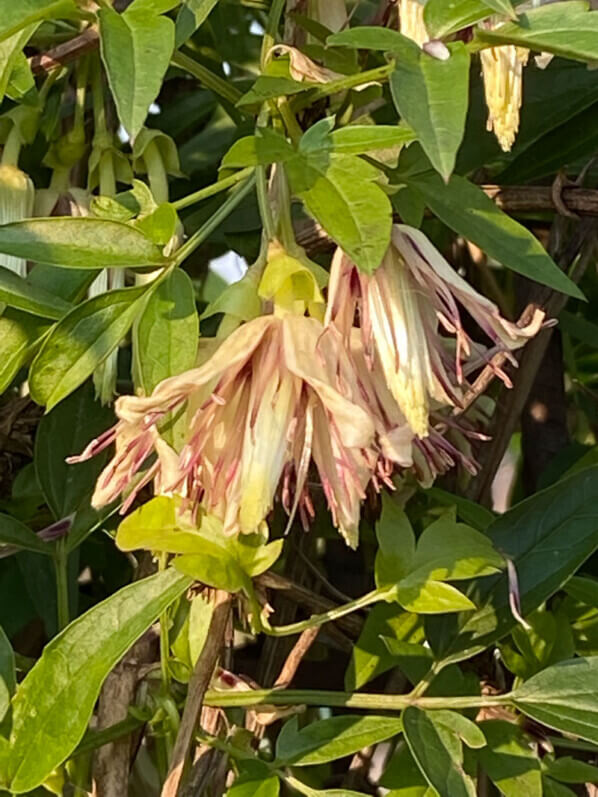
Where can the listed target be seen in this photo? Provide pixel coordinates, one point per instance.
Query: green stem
(94, 739)
(62, 584)
(366, 701)
(12, 147)
(99, 106)
(215, 188)
(422, 687)
(269, 39)
(285, 221)
(156, 173)
(164, 637)
(59, 181)
(211, 81)
(263, 201)
(79, 115)
(290, 122)
(342, 84)
(333, 614)
(107, 176)
(198, 237)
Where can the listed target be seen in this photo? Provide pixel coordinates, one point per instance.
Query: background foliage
(456, 652)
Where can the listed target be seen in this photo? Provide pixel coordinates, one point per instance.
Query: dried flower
(274, 395)
(403, 308)
(502, 70)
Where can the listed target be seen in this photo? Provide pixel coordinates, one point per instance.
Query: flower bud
(16, 203)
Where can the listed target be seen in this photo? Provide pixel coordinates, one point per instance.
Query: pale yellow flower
(17, 196)
(411, 21)
(406, 310)
(502, 70)
(275, 394)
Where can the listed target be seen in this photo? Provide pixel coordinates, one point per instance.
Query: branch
(583, 242)
(200, 680)
(112, 761)
(65, 53)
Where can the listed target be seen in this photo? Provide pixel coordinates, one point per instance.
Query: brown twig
(198, 685)
(295, 657)
(582, 243)
(65, 53)
(111, 763)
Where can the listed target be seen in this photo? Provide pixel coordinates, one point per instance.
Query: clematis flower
(403, 308)
(502, 71)
(273, 396)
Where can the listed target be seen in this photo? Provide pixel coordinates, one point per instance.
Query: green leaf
(81, 341)
(403, 776)
(254, 556)
(20, 333)
(8, 676)
(56, 699)
(10, 54)
(208, 555)
(160, 225)
(373, 37)
(564, 697)
(358, 139)
(329, 739)
(191, 16)
(266, 146)
(269, 87)
(18, 292)
(465, 208)
(340, 193)
(548, 537)
(473, 514)
(254, 780)
(136, 48)
(64, 432)
(552, 788)
(469, 733)
(165, 339)
(438, 753)
(443, 17)
(559, 148)
(450, 551)
(370, 656)
(396, 544)
(200, 617)
(568, 29)
(17, 534)
(570, 770)
(79, 242)
(432, 96)
(509, 761)
(504, 7)
(432, 597)
(583, 589)
(16, 16)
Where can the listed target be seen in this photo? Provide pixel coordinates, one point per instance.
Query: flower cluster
(357, 394)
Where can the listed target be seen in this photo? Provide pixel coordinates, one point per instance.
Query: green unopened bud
(16, 203)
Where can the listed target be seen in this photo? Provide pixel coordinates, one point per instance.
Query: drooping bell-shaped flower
(502, 71)
(275, 395)
(410, 320)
